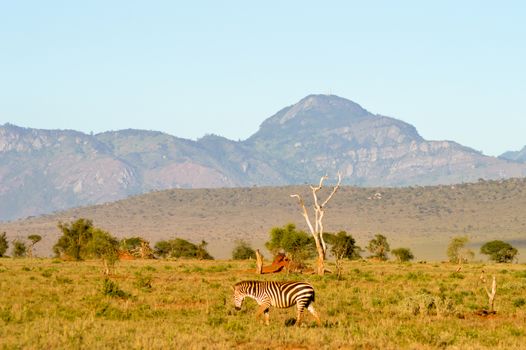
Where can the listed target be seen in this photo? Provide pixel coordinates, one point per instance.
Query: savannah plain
(47, 303)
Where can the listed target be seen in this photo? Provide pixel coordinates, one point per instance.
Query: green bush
(243, 251)
(403, 254)
(19, 249)
(181, 248)
(111, 289)
(4, 245)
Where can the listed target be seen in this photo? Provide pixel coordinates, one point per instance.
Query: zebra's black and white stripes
(277, 294)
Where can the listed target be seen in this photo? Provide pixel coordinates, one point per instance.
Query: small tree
(298, 245)
(34, 240)
(202, 253)
(243, 251)
(104, 246)
(74, 239)
(162, 249)
(342, 246)
(4, 244)
(19, 249)
(457, 251)
(379, 247)
(403, 254)
(499, 251)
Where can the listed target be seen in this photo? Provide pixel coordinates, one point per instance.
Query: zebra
(277, 294)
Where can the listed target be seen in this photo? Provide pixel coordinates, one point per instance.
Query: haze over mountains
(46, 170)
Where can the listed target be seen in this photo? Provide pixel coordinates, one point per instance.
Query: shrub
(243, 251)
(143, 282)
(19, 249)
(3, 244)
(403, 254)
(111, 289)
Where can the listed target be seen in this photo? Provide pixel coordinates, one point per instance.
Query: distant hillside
(423, 218)
(42, 171)
(516, 156)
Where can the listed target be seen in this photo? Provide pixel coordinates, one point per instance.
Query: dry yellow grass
(48, 304)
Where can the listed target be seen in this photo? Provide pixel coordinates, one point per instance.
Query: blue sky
(454, 69)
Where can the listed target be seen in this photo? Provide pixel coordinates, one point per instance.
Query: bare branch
(333, 190)
(305, 214)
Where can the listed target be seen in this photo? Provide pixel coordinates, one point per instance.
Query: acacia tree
(499, 251)
(297, 244)
(319, 211)
(34, 240)
(74, 239)
(457, 251)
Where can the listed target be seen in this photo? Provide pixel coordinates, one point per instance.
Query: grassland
(421, 218)
(162, 304)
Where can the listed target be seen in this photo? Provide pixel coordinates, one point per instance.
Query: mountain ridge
(46, 170)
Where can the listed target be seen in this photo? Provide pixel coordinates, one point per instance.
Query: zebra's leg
(314, 313)
(263, 309)
(300, 307)
(267, 316)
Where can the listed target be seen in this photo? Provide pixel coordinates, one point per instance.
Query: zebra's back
(287, 294)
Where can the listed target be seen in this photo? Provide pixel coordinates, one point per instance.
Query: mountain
(325, 134)
(516, 156)
(47, 170)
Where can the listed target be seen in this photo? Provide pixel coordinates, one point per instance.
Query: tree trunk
(259, 262)
(491, 295)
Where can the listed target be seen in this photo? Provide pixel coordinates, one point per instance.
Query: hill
(422, 218)
(516, 156)
(46, 170)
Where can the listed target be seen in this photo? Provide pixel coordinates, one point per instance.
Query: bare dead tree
(319, 211)
(491, 295)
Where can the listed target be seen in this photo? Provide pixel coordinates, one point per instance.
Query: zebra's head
(239, 296)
